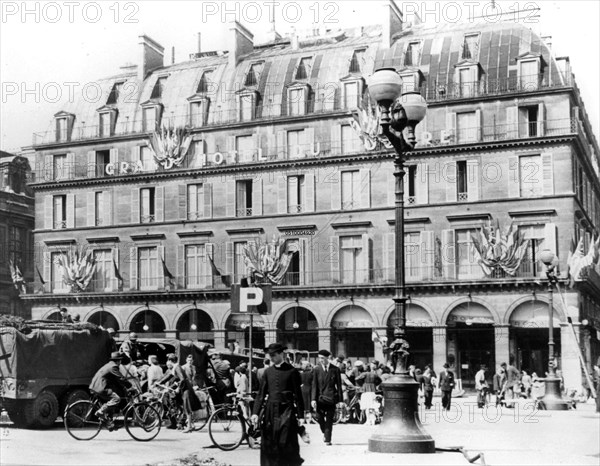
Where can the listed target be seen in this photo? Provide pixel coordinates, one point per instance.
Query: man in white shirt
(155, 372)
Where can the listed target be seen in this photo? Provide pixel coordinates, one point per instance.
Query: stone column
(569, 357)
(379, 356)
(501, 346)
(219, 336)
(325, 339)
(439, 348)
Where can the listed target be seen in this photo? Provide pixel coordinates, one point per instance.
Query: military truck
(46, 365)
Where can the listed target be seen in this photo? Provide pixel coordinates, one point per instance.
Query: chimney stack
(294, 40)
(241, 42)
(199, 42)
(151, 57)
(547, 40)
(172, 55)
(392, 22)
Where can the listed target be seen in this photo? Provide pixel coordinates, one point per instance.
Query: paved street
(508, 437)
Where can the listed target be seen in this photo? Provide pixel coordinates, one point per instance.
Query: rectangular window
(297, 102)
(470, 47)
(103, 274)
(239, 265)
(295, 194)
(197, 114)
(303, 70)
(56, 274)
(253, 74)
(412, 54)
(98, 208)
(531, 266)
(61, 130)
(243, 198)
(246, 107)
(294, 275)
(147, 212)
(412, 255)
(467, 128)
(195, 267)
(350, 189)
(296, 146)
(59, 214)
(351, 95)
(245, 147)
(59, 167)
(530, 176)
(410, 186)
(147, 159)
(528, 75)
(195, 201)
(105, 129)
(350, 255)
(149, 121)
(102, 160)
(351, 143)
(148, 267)
(462, 189)
(467, 265)
(528, 121)
(466, 84)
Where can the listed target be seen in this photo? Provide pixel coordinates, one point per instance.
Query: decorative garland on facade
(170, 146)
(498, 250)
(77, 268)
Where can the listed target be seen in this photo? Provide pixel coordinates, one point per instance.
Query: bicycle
(169, 410)
(350, 412)
(141, 420)
(228, 426)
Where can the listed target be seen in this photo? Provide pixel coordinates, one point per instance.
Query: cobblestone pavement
(507, 437)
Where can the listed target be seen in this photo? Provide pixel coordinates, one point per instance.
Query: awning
(242, 321)
(470, 313)
(352, 317)
(416, 316)
(533, 315)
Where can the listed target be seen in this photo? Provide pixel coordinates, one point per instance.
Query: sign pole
(250, 359)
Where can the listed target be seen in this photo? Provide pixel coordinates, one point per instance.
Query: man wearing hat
(130, 347)
(109, 384)
(326, 393)
(282, 408)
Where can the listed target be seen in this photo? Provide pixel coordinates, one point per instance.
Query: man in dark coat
(446, 386)
(283, 406)
(326, 393)
(109, 384)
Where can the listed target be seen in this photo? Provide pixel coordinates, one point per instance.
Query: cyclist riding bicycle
(109, 384)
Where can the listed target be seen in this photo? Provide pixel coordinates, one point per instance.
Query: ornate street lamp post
(401, 430)
(552, 398)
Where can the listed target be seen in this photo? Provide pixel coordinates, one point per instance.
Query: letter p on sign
(250, 297)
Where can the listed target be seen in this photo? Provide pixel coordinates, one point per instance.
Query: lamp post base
(401, 430)
(552, 399)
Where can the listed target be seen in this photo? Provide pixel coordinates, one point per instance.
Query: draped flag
(42, 281)
(117, 273)
(78, 268)
(170, 145)
(17, 277)
(225, 279)
(497, 250)
(268, 261)
(577, 261)
(365, 121)
(166, 271)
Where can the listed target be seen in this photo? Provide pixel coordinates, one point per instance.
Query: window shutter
(282, 182)
(473, 180)
(256, 146)
(514, 176)
(550, 237)
(310, 143)
(207, 200)
(547, 174)
(48, 212)
(230, 148)
(364, 271)
(391, 187)
(182, 279)
(70, 168)
(336, 191)
(209, 251)
(160, 274)
(70, 210)
(114, 156)
(91, 164)
(159, 203)
(365, 188)
(108, 208)
(427, 254)
(46, 271)
(281, 145)
(230, 198)
(257, 197)
(334, 258)
(309, 191)
(114, 280)
(335, 142)
(389, 256)
(450, 174)
(512, 120)
(135, 154)
(479, 122)
(422, 183)
(133, 268)
(135, 205)
(451, 125)
(182, 200)
(229, 258)
(48, 168)
(541, 124)
(91, 209)
(448, 253)
(303, 256)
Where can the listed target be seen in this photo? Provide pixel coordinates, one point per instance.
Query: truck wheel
(42, 412)
(73, 396)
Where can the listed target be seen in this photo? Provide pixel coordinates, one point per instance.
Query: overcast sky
(80, 41)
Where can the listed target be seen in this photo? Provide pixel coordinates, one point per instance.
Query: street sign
(251, 300)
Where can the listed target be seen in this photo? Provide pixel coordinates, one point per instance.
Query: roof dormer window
(253, 75)
(151, 116)
(159, 88)
(357, 61)
(298, 99)
(115, 94)
(64, 126)
(247, 105)
(303, 70)
(412, 56)
(470, 47)
(530, 69)
(107, 119)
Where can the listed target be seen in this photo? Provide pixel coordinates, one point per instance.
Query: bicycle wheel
(340, 414)
(204, 416)
(226, 428)
(81, 421)
(142, 422)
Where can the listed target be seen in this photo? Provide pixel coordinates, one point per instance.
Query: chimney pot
(241, 42)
